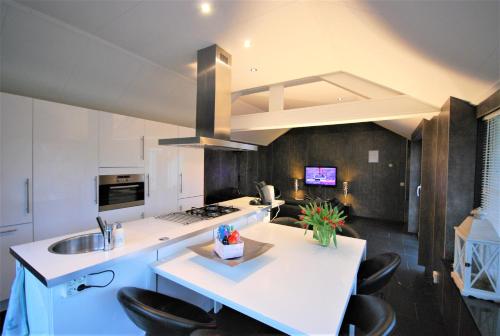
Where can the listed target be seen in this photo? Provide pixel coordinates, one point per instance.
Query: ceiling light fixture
(253, 69)
(206, 8)
(340, 99)
(247, 43)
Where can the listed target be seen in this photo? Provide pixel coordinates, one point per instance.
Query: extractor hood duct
(213, 104)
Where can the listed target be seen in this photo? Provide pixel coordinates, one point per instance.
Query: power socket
(72, 286)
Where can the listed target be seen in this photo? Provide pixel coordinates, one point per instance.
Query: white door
(191, 202)
(191, 167)
(121, 141)
(16, 145)
(65, 162)
(11, 236)
(161, 170)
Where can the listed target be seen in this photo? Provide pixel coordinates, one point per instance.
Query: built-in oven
(120, 191)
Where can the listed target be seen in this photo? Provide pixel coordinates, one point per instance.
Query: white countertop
(297, 286)
(140, 235)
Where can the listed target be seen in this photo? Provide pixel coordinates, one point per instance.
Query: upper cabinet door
(65, 169)
(161, 170)
(121, 141)
(16, 123)
(191, 167)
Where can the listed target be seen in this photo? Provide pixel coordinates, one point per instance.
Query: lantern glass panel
(484, 267)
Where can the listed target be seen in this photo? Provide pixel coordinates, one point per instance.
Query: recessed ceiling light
(247, 43)
(253, 69)
(340, 99)
(206, 8)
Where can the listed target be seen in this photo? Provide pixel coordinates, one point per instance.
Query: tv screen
(322, 176)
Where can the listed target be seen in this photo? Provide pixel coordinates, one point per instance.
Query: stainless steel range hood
(213, 104)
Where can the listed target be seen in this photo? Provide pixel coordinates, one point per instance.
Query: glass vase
(325, 235)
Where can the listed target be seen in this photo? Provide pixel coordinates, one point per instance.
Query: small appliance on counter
(197, 214)
(266, 194)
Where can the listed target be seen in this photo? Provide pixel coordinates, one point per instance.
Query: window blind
(490, 196)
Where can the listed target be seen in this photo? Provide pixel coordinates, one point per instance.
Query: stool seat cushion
(156, 313)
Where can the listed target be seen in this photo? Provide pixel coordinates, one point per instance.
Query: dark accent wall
(375, 189)
(449, 143)
(238, 170)
(428, 193)
(457, 141)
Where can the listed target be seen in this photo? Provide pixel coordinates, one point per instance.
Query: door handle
(27, 195)
(181, 182)
(147, 176)
(419, 191)
(143, 149)
(8, 231)
(96, 188)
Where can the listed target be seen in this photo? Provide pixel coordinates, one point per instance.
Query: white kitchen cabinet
(191, 167)
(190, 202)
(121, 141)
(123, 215)
(65, 169)
(185, 132)
(16, 120)
(191, 172)
(161, 165)
(10, 236)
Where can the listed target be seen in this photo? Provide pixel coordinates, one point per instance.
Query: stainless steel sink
(79, 244)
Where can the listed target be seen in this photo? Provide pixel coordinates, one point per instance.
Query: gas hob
(197, 214)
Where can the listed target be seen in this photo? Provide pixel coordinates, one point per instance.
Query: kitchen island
(155, 257)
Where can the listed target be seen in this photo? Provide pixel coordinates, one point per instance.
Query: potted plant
(324, 219)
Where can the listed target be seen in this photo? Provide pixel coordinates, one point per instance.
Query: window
(490, 196)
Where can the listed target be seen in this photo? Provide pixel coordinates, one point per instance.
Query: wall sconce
(296, 189)
(345, 188)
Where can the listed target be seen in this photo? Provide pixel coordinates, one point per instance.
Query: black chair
(376, 272)
(158, 314)
(369, 315)
(348, 231)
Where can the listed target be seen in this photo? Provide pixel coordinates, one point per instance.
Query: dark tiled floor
(409, 293)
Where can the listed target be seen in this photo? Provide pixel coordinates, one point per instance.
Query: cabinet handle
(143, 145)
(181, 182)
(96, 188)
(28, 195)
(8, 231)
(125, 186)
(147, 176)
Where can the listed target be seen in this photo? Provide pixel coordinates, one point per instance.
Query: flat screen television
(320, 176)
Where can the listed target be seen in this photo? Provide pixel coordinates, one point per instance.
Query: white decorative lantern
(476, 268)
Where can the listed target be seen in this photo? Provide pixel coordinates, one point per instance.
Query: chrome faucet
(108, 236)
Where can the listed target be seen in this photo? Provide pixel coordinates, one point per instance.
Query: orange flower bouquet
(324, 219)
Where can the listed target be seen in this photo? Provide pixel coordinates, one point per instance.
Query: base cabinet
(123, 215)
(10, 236)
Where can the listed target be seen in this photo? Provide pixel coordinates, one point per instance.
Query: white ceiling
(136, 57)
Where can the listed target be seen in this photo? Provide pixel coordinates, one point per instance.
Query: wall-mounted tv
(320, 176)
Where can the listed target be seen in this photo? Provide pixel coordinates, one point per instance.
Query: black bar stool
(376, 272)
(158, 314)
(370, 315)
